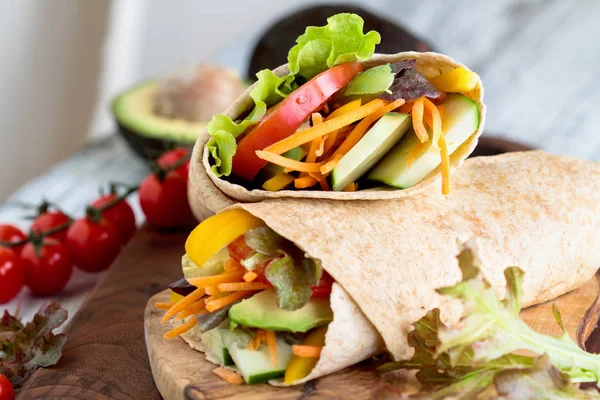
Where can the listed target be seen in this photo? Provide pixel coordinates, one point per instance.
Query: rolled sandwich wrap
(429, 64)
(533, 210)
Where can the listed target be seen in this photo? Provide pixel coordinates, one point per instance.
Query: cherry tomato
(93, 246)
(287, 116)
(12, 274)
(50, 220)
(172, 156)
(6, 390)
(12, 234)
(323, 289)
(46, 274)
(165, 203)
(120, 215)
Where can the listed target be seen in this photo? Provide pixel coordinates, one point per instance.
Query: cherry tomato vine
(44, 258)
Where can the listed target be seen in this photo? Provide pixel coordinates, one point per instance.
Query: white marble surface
(539, 60)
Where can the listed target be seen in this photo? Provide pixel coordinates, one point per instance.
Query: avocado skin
(147, 147)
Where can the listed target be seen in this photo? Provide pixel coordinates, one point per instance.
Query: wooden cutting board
(182, 373)
(106, 356)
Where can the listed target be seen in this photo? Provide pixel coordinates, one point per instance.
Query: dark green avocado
(147, 133)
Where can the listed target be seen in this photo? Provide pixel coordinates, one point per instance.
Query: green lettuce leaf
(373, 81)
(314, 269)
(340, 41)
(269, 90)
(24, 348)
(290, 282)
(476, 355)
(265, 240)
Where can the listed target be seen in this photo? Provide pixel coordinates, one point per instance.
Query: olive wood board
(183, 373)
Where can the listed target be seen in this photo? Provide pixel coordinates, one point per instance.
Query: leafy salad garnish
(24, 348)
(319, 48)
(289, 271)
(476, 354)
(408, 83)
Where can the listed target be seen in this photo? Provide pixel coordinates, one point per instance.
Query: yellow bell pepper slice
(175, 297)
(299, 367)
(216, 232)
(458, 80)
(278, 182)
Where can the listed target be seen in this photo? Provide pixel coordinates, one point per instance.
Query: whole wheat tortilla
(429, 64)
(531, 209)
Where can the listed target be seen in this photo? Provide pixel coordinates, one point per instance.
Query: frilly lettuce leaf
(290, 282)
(340, 41)
(269, 89)
(464, 360)
(24, 348)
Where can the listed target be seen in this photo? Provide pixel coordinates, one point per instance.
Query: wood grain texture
(105, 356)
(181, 373)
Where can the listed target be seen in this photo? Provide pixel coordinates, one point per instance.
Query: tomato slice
(323, 289)
(238, 249)
(286, 117)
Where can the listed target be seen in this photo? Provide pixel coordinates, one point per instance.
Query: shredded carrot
(305, 182)
(303, 350)
(204, 281)
(237, 286)
(217, 304)
(278, 182)
(435, 120)
(317, 118)
(351, 187)
(415, 153)
(417, 120)
(272, 343)
(346, 108)
(250, 276)
(183, 303)
(445, 167)
(362, 127)
(181, 329)
(163, 306)
(324, 185)
(195, 308)
(228, 376)
(305, 136)
(406, 108)
(212, 290)
(331, 164)
(256, 340)
(321, 146)
(287, 162)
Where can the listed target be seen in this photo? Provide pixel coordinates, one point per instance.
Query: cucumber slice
(370, 149)
(214, 340)
(255, 365)
(459, 122)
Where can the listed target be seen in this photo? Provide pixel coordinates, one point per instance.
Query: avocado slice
(146, 132)
(261, 311)
(370, 149)
(256, 365)
(214, 339)
(460, 120)
(213, 266)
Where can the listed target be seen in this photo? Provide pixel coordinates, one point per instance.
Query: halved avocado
(149, 134)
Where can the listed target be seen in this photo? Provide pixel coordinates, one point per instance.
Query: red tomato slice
(323, 289)
(287, 117)
(238, 249)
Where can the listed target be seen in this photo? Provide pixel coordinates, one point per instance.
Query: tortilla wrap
(531, 209)
(428, 64)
